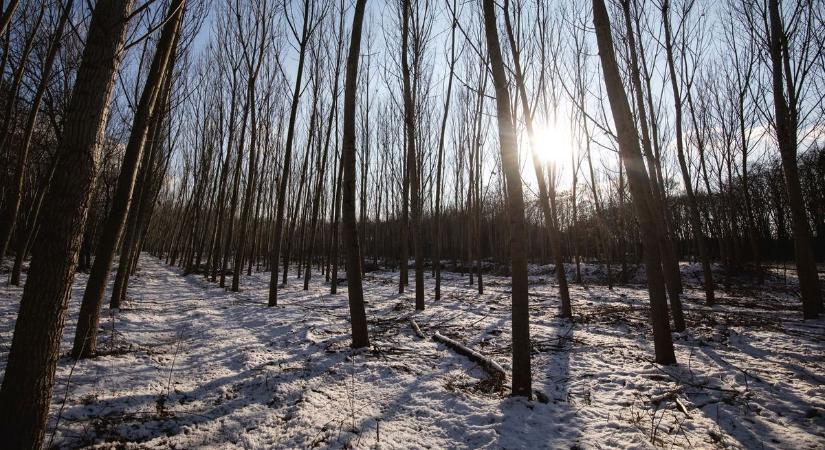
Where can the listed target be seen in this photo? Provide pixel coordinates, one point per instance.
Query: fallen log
(489, 365)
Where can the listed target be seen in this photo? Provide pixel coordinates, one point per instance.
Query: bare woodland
(653, 169)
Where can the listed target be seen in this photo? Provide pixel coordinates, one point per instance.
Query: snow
(187, 364)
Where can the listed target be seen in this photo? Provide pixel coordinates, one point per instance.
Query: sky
(557, 136)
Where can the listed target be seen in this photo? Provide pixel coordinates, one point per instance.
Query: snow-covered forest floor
(188, 365)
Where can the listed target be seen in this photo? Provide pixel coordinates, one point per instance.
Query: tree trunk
(668, 258)
(355, 289)
(144, 192)
(437, 238)
(7, 15)
(251, 175)
(336, 228)
(786, 133)
(217, 237)
(15, 196)
(545, 198)
(412, 159)
(283, 182)
(85, 340)
(650, 223)
(522, 378)
(316, 208)
(694, 216)
(8, 215)
(26, 391)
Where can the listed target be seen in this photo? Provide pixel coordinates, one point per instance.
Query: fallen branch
(699, 385)
(681, 406)
(491, 367)
(416, 329)
(669, 395)
(672, 395)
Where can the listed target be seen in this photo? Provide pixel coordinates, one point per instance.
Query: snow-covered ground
(189, 365)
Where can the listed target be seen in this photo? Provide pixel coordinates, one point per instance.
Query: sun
(553, 144)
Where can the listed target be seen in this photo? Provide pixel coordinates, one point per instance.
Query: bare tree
(545, 197)
(333, 110)
(522, 378)
(8, 218)
(786, 85)
(649, 220)
(310, 21)
(694, 216)
(355, 289)
(254, 53)
(7, 15)
(412, 157)
(652, 154)
(85, 343)
(26, 391)
(437, 238)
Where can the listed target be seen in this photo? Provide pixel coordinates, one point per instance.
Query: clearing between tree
(187, 364)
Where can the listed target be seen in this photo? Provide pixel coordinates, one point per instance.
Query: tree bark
(26, 391)
(284, 180)
(85, 340)
(412, 159)
(650, 223)
(355, 289)
(522, 378)
(786, 121)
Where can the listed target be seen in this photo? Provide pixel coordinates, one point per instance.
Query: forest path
(189, 364)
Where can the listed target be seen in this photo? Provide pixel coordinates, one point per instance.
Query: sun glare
(553, 144)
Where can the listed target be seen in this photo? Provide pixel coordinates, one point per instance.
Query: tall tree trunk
(319, 187)
(144, 193)
(668, 259)
(522, 378)
(253, 67)
(26, 391)
(650, 222)
(25, 240)
(694, 216)
(7, 15)
(412, 159)
(437, 238)
(786, 121)
(336, 228)
(85, 340)
(284, 180)
(217, 239)
(355, 289)
(549, 212)
(297, 209)
(233, 202)
(404, 253)
(8, 215)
